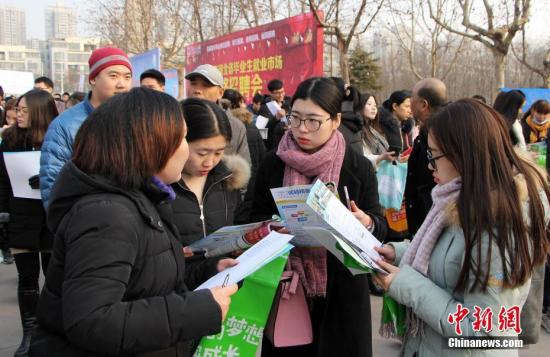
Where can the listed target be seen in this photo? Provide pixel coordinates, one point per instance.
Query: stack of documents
(261, 253)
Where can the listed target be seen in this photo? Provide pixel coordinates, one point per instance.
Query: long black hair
(508, 104)
(396, 97)
(205, 119)
(41, 111)
(474, 138)
(321, 91)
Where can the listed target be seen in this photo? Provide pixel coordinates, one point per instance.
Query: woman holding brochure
(117, 282)
(29, 238)
(208, 192)
(314, 148)
(483, 239)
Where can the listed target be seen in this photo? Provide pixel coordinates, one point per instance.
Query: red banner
(290, 50)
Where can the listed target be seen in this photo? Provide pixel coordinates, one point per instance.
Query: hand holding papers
(306, 207)
(261, 122)
(21, 166)
(232, 238)
(273, 107)
(251, 260)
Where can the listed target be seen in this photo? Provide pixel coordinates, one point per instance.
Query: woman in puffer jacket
(208, 193)
(118, 283)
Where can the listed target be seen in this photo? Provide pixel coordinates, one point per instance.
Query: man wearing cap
(206, 82)
(110, 74)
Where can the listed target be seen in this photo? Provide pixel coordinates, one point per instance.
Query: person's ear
(337, 121)
(220, 91)
(394, 107)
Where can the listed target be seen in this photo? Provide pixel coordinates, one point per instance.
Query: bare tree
(497, 38)
(139, 25)
(343, 22)
(417, 34)
(543, 71)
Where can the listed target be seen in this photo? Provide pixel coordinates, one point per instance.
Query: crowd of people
(129, 177)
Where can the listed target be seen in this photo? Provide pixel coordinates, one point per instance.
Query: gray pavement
(10, 328)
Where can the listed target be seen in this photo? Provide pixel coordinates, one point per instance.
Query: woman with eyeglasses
(29, 238)
(470, 265)
(313, 149)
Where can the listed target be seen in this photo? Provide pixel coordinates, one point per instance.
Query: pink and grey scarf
(303, 168)
(420, 250)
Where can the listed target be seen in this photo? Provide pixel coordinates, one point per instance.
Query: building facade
(13, 30)
(61, 22)
(21, 58)
(66, 62)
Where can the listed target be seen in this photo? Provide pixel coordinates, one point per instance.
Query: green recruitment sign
(243, 328)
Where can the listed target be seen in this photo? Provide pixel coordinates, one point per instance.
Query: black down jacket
(351, 128)
(221, 196)
(117, 283)
(27, 228)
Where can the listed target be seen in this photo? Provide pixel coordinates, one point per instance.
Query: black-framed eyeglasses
(432, 159)
(310, 124)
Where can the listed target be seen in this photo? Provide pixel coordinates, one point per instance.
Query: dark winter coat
(27, 228)
(392, 129)
(117, 282)
(419, 185)
(256, 147)
(351, 127)
(275, 127)
(221, 196)
(397, 134)
(345, 327)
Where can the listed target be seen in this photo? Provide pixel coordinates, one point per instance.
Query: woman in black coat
(208, 193)
(395, 121)
(339, 301)
(29, 238)
(117, 282)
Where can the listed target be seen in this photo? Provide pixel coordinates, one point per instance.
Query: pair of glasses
(310, 124)
(432, 159)
(23, 110)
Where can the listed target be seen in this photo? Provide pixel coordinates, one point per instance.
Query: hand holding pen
(361, 216)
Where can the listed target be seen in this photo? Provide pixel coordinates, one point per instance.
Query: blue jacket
(58, 145)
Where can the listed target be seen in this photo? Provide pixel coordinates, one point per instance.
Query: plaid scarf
(302, 168)
(420, 250)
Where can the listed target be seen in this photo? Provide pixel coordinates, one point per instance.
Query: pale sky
(537, 28)
(34, 10)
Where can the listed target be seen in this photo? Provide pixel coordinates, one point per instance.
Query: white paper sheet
(261, 122)
(333, 212)
(264, 133)
(273, 107)
(21, 166)
(251, 260)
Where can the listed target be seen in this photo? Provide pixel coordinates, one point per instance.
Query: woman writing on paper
(314, 148)
(208, 192)
(485, 235)
(28, 236)
(117, 282)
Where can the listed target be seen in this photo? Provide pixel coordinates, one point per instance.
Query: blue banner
(531, 95)
(172, 82)
(144, 61)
